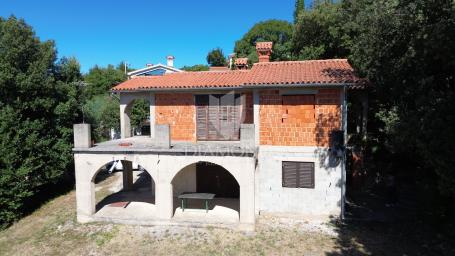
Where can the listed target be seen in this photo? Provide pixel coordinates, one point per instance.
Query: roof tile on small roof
(264, 46)
(241, 61)
(290, 73)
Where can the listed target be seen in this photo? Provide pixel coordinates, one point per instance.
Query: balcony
(162, 144)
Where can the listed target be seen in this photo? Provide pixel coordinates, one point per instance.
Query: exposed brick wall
(299, 122)
(178, 111)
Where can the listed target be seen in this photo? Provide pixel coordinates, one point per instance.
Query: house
(156, 70)
(264, 140)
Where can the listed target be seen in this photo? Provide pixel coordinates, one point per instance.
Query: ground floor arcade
(149, 194)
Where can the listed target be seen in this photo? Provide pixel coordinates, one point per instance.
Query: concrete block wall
(322, 201)
(185, 180)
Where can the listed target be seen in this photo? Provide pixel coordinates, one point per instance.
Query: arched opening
(124, 189)
(138, 112)
(190, 187)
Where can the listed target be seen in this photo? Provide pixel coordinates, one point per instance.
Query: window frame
(299, 169)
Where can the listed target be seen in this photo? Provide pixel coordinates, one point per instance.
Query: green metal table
(202, 196)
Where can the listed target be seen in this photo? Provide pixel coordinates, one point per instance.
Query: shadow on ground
(406, 228)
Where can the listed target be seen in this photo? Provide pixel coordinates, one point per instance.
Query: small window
(298, 174)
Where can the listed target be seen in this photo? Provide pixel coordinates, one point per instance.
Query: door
(218, 117)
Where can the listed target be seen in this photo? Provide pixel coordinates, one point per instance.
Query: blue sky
(141, 32)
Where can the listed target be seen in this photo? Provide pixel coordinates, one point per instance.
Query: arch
(123, 192)
(96, 171)
(172, 180)
(126, 102)
(179, 166)
(206, 177)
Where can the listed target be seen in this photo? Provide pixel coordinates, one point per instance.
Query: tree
(407, 49)
(140, 111)
(320, 33)
(198, 67)
(216, 58)
(277, 31)
(100, 80)
(38, 105)
(299, 8)
(102, 112)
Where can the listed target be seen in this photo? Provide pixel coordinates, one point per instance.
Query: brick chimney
(264, 50)
(170, 60)
(241, 63)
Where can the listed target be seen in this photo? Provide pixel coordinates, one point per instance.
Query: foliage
(198, 67)
(216, 58)
(102, 112)
(140, 111)
(299, 8)
(319, 33)
(407, 49)
(277, 31)
(100, 80)
(38, 105)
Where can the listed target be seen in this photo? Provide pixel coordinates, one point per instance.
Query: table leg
(183, 206)
(206, 206)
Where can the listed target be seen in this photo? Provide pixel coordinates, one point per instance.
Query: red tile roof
(219, 68)
(290, 73)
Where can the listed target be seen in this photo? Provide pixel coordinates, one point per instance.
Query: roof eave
(241, 87)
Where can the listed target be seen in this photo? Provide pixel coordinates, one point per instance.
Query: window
(298, 174)
(218, 117)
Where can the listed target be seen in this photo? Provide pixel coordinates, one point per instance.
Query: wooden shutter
(298, 174)
(218, 117)
(202, 103)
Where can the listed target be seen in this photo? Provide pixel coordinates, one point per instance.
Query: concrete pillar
(162, 136)
(152, 114)
(82, 136)
(125, 122)
(247, 135)
(85, 191)
(256, 116)
(164, 200)
(127, 175)
(247, 215)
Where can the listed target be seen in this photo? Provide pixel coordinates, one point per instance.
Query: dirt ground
(53, 230)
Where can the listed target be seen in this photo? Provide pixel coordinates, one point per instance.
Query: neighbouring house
(264, 140)
(156, 70)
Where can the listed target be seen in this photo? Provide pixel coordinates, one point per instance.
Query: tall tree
(299, 8)
(407, 49)
(277, 31)
(216, 58)
(100, 80)
(320, 33)
(38, 105)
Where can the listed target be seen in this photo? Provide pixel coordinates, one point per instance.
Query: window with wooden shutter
(218, 116)
(298, 174)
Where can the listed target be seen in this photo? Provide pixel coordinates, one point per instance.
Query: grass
(53, 230)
